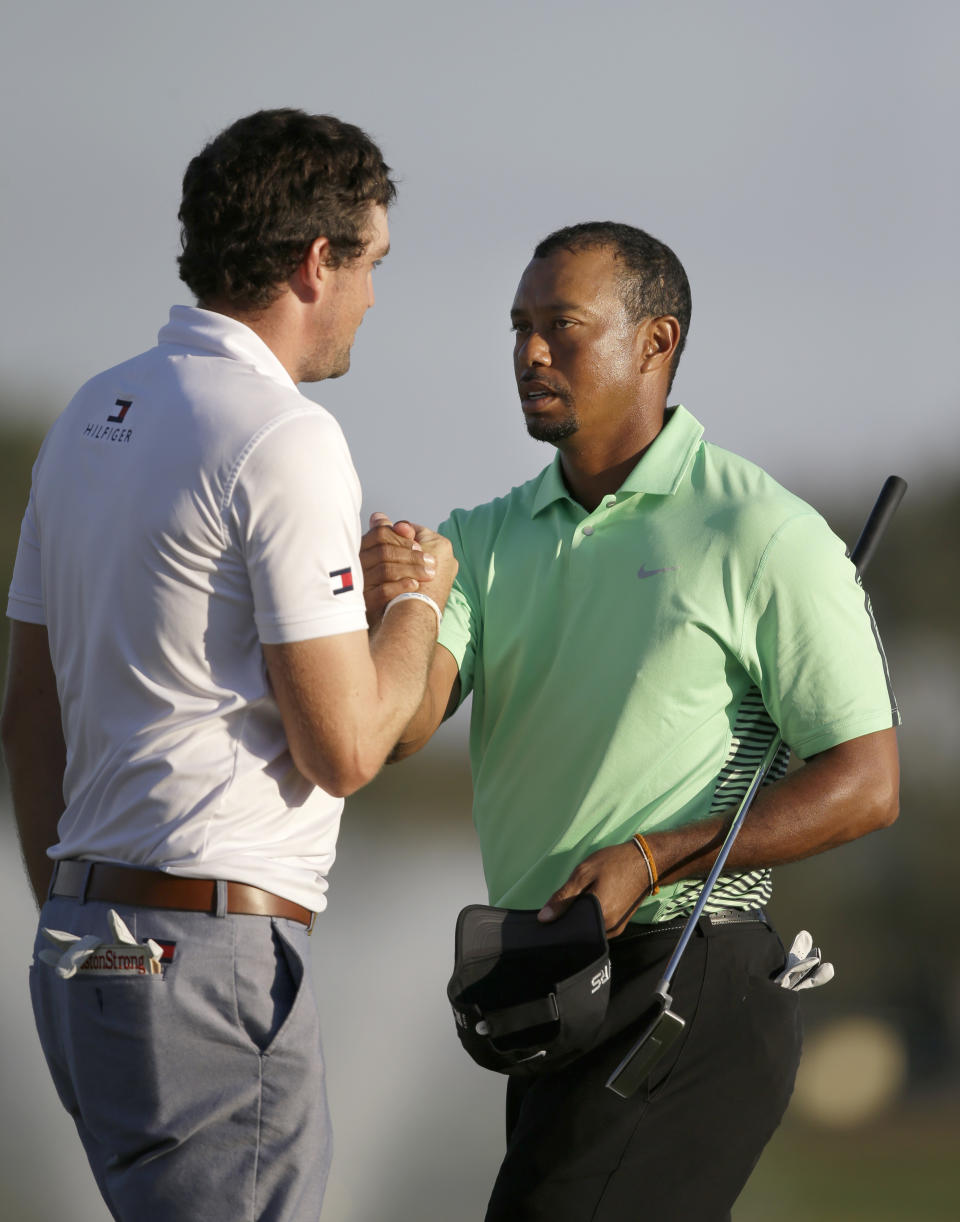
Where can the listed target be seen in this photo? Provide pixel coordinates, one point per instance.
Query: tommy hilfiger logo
(103, 432)
(124, 405)
(642, 572)
(346, 580)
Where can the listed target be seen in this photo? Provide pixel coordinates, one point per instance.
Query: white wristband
(423, 598)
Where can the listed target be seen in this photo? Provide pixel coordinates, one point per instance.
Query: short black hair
(652, 279)
(270, 184)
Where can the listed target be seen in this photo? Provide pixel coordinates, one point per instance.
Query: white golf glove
(804, 968)
(72, 950)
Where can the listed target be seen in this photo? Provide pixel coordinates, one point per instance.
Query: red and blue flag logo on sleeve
(342, 580)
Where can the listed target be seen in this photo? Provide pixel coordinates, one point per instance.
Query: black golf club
(663, 1025)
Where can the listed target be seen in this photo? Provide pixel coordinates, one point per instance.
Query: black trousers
(682, 1147)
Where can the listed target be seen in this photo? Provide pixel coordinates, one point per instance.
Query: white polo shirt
(187, 506)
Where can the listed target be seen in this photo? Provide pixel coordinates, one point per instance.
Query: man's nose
(533, 351)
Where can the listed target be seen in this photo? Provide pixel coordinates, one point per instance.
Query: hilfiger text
(107, 432)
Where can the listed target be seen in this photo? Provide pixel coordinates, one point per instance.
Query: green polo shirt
(625, 664)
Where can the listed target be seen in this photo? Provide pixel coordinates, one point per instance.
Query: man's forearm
(344, 702)
(402, 673)
(33, 745)
(440, 701)
(836, 797)
(36, 784)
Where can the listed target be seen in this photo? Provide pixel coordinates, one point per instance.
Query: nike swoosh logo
(642, 572)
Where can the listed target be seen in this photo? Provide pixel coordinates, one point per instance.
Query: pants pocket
(269, 977)
(687, 990)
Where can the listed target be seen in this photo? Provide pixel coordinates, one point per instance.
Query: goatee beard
(552, 431)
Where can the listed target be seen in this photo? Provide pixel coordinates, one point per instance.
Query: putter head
(661, 1029)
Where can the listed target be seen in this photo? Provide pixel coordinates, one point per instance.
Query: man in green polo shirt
(634, 624)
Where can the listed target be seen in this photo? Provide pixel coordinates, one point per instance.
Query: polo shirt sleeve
(295, 515)
(25, 599)
(810, 643)
(462, 616)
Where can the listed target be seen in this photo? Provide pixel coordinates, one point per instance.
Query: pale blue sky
(801, 160)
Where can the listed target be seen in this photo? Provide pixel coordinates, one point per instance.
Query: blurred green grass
(900, 1168)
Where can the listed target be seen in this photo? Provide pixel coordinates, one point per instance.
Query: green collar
(660, 470)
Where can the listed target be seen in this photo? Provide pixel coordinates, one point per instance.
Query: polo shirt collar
(214, 334)
(661, 469)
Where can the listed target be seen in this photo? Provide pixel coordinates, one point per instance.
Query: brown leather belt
(97, 880)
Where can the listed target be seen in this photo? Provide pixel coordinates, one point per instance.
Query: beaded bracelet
(647, 856)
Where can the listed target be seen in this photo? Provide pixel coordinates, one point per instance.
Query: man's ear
(313, 271)
(659, 338)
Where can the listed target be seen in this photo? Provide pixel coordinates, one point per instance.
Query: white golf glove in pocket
(72, 951)
(804, 968)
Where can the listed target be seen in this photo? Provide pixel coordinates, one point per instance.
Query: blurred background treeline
(873, 1128)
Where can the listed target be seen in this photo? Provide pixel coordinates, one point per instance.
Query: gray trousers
(198, 1093)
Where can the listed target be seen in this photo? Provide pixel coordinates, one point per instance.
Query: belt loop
(82, 897)
(221, 899)
(53, 879)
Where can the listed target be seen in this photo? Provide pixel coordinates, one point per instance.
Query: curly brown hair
(264, 189)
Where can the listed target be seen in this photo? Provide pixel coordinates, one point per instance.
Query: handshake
(402, 558)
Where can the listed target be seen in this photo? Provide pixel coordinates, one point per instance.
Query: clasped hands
(401, 558)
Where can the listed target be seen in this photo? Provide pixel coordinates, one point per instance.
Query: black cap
(528, 996)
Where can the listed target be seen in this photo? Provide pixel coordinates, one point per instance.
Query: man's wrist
(639, 842)
(417, 597)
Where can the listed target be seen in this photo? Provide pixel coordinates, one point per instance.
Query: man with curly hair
(192, 690)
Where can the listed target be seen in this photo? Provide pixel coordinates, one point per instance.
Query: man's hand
(617, 876)
(399, 558)
(34, 748)
(445, 565)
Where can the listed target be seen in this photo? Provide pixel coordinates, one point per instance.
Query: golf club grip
(891, 494)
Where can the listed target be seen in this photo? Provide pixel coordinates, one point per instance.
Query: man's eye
(562, 323)
(519, 326)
